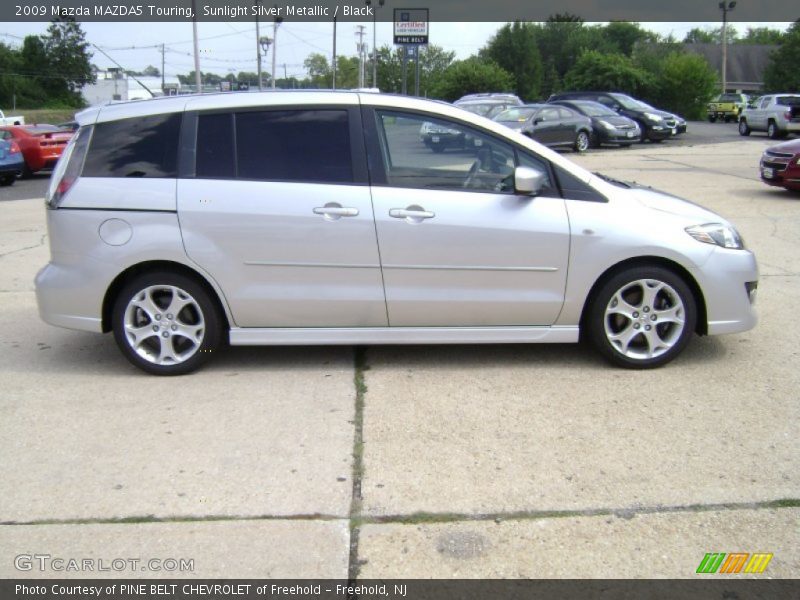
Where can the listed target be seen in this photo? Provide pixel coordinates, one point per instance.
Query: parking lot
(508, 461)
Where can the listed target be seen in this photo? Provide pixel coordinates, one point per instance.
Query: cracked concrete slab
(221, 549)
(665, 545)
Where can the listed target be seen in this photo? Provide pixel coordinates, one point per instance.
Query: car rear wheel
(166, 323)
(642, 317)
(744, 128)
(712, 118)
(7, 180)
(582, 142)
(772, 131)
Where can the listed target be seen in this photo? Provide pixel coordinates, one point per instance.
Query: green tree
(514, 49)
(624, 36)
(472, 75)
(69, 61)
(319, 71)
(710, 36)
(434, 61)
(762, 35)
(782, 73)
(685, 84)
(599, 71)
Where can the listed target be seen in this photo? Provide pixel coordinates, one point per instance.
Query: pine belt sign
(410, 25)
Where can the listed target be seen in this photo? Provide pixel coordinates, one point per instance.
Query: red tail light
(788, 115)
(14, 148)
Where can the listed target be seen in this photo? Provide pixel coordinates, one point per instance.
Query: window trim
(358, 153)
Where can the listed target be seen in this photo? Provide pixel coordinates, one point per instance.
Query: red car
(41, 145)
(780, 165)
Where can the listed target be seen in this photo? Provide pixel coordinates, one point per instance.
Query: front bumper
(618, 136)
(658, 132)
(726, 280)
(780, 172)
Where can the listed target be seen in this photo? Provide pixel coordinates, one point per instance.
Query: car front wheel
(744, 128)
(166, 323)
(772, 131)
(642, 317)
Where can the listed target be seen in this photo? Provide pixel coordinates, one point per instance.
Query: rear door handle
(335, 211)
(407, 213)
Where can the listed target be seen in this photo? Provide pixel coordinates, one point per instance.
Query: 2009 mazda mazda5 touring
(322, 218)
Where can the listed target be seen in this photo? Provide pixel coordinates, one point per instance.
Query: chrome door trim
(302, 336)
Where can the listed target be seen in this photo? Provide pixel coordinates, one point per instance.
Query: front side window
(419, 152)
(294, 145)
(136, 147)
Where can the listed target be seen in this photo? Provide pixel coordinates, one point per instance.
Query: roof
(746, 62)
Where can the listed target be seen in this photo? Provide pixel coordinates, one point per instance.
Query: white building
(113, 84)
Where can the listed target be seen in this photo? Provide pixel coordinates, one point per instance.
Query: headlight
(606, 124)
(654, 117)
(718, 234)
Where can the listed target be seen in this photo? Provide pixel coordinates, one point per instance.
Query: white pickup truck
(777, 114)
(4, 120)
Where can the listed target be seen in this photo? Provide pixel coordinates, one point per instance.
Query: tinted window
(420, 152)
(138, 147)
(294, 145)
(215, 154)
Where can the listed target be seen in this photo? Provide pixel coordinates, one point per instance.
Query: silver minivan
(183, 223)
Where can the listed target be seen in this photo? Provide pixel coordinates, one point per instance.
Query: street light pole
(725, 7)
(258, 51)
(277, 21)
(197, 82)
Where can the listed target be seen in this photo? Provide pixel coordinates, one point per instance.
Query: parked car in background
(11, 162)
(41, 145)
(550, 124)
(439, 138)
(68, 126)
(18, 120)
(608, 127)
(488, 105)
(780, 165)
(726, 107)
(777, 114)
(181, 223)
(655, 125)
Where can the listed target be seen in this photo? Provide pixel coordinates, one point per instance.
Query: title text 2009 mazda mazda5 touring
(322, 218)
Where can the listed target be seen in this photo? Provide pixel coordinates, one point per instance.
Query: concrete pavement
(465, 461)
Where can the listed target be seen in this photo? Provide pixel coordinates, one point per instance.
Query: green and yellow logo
(734, 562)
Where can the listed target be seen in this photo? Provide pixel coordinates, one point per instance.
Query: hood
(674, 205)
(792, 146)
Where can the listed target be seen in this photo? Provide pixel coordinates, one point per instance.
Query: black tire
(712, 118)
(596, 323)
(727, 119)
(582, 142)
(212, 331)
(26, 171)
(772, 131)
(744, 128)
(7, 180)
(642, 132)
(437, 148)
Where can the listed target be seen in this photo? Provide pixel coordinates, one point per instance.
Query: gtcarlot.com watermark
(60, 564)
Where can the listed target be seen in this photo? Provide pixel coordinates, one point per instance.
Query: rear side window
(215, 152)
(294, 145)
(137, 147)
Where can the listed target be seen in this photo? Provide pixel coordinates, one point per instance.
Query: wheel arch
(132, 271)
(701, 327)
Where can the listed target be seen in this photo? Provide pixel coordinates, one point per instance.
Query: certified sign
(410, 25)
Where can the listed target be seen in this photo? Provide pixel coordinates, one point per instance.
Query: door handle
(335, 211)
(411, 213)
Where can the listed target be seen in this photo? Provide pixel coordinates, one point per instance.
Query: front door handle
(414, 213)
(334, 210)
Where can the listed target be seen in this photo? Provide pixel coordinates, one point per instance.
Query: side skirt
(252, 336)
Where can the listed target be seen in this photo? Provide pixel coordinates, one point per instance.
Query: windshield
(630, 103)
(515, 114)
(595, 109)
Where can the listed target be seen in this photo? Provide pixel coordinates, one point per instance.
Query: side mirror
(528, 182)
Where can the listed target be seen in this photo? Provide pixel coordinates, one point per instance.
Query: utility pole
(360, 47)
(276, 21)
(162, 67)
(258, 50)
(197, 82)
(725, 7)
(380, 3)
(416, 70)
(333, 62)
